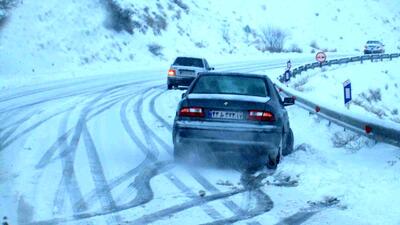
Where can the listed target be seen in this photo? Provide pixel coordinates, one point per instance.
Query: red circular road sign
(320, 57)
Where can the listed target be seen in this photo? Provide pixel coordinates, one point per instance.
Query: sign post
(320, 57)
(347, 93)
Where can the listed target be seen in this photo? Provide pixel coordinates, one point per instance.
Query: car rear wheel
(288, 147)
(273, 161)
(170, 86)
(178, 152)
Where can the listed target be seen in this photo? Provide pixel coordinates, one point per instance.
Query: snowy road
(99, 151)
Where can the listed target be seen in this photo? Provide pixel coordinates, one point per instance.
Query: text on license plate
(226, 115)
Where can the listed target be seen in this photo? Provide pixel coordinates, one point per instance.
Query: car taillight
(191, 112)
(171, 73)
(261, 116)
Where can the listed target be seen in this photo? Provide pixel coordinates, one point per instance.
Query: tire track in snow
(144, 196)
(233, 207)
(151, 156)
(68, 184)
(6, 143)
(195, 202)
(103, 190)
(148, 132)
(305, 214)
(3, 140)
(47, 157)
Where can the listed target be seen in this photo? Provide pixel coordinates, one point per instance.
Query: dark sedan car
(233, 114)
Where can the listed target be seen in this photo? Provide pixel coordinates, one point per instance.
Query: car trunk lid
(222, 107)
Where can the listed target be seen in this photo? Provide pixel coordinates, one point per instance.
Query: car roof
(188, 57)
(233, 74)
(372, 41)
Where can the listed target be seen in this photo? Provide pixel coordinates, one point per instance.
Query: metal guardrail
(380, 130)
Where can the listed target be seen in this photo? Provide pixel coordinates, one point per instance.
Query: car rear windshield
(373, 42)
(183, 61)
(223, 84)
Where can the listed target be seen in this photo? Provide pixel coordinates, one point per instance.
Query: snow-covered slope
(375, 87)
(43, 37)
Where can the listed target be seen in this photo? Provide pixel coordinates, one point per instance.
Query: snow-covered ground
(87, 139)
(375, 87)
(100, 152)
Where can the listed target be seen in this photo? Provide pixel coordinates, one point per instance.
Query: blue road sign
(347, 91)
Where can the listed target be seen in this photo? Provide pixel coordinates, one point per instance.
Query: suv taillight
(171, 73)
(261, 116)
(191, 112)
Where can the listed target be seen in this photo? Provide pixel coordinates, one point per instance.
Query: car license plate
(186, 73)
(226, 115)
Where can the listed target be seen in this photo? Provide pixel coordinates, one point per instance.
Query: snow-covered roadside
(375, 88)
(328, 163)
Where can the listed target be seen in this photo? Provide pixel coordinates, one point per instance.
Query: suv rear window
(184, 61)
(223, 84)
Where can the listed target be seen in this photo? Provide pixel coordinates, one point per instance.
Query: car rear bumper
(180, 81)
(220, 137)
(373, 51)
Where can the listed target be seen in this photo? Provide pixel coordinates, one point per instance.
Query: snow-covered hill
(44, 37)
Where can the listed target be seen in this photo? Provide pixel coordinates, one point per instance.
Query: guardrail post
(381, 57)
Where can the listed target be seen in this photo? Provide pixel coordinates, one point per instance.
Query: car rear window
(223, 84)
(182, 61)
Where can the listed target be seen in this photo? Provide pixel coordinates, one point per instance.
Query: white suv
(185, 69)
(372, 47)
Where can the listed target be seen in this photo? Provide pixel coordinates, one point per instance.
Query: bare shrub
(299, 83)
(349, 140)
(295, 48)
(225, 34)
(314, 44)
(155, 49)
(200, 44)
(120, 19)
(247, 29)
(181, 5)
(156, 22)
(8, 4)
(373, 95)
(5, 7)
(273, 39)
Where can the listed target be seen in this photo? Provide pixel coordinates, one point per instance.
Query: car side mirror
(289, 101)
(211, 68)
(183, 95)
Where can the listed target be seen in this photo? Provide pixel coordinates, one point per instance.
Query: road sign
(320, 57)
(288, 65)
(347, 92)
